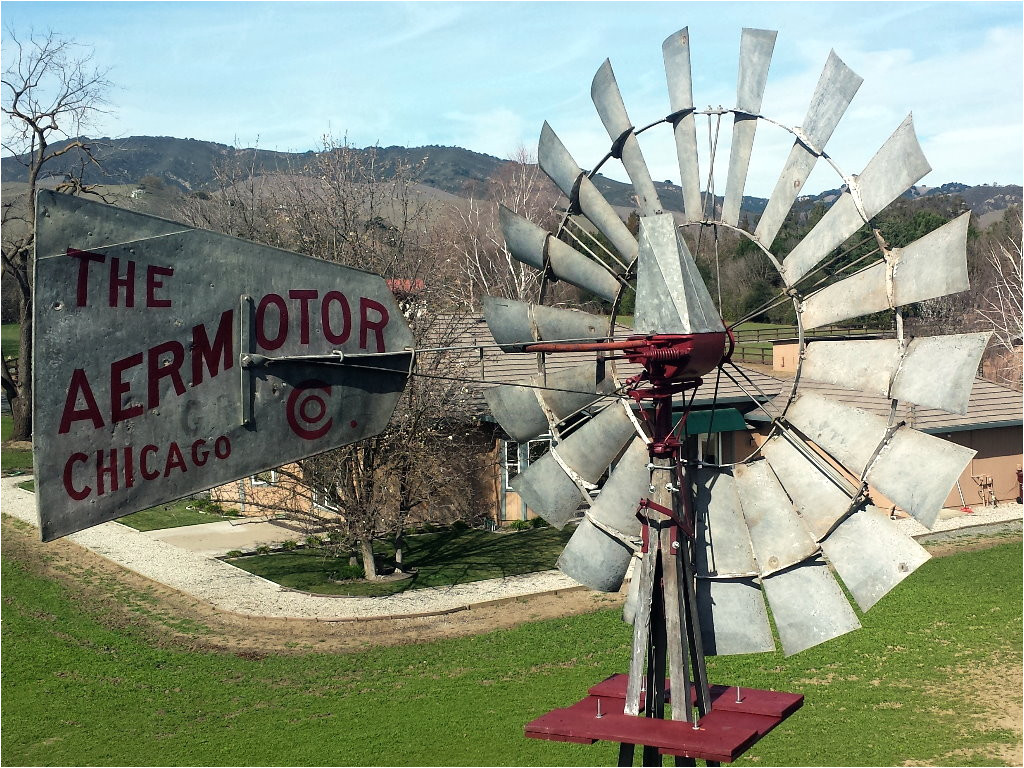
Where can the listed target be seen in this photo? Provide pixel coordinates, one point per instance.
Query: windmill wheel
(782, 523)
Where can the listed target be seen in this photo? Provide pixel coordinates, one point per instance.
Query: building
(726, 424)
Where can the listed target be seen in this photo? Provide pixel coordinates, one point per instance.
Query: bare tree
(243, 202)
(420, 468)
(344, 204)
(1001, 304)
(51, 91)
(486, 265)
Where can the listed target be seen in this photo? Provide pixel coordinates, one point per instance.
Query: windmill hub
(671, 359)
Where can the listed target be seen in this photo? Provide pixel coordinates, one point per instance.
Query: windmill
(718, 545)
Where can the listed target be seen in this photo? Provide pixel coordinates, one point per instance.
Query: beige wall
(785, 356)
(998, 457)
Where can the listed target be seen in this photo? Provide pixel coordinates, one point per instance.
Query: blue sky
(486, 75)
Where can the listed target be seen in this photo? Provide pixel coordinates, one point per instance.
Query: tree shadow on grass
(440, 559)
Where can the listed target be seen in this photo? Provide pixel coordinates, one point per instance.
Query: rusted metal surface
(139, 370)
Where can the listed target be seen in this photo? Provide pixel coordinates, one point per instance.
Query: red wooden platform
(726, 732)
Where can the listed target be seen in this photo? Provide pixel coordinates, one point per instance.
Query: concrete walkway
(185, 559)
(217, 539)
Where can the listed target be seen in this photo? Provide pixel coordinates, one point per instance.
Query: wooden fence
(754, 345)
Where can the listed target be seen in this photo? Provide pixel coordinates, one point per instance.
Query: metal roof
(490, 366)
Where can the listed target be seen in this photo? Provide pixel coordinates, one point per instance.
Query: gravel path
(232, 589)
(954, 520)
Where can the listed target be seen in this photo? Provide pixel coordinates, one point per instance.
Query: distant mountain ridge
(189, 165)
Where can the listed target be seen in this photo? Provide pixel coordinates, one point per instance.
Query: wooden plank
(675, 619)
(722, 741)
(641, 632)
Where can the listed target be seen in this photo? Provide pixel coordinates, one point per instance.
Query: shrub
(346, 572)
(538, 522)
(312, 542)
(289, 545)
(263, 549)
(210, 507)
(234, 553)
(336, 537)
(520, 525)
(460, 525)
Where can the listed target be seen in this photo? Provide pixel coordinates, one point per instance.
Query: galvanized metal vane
(169, 360)
(715, 546)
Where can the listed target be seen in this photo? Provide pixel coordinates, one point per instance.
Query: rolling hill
(188, 164)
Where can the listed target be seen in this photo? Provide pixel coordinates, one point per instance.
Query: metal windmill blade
(743, 557)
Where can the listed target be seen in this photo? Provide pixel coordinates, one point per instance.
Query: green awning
(702, 423)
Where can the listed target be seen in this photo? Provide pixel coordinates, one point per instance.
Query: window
(265, 478)
(511, 462)
(321, 500)
(518, 456)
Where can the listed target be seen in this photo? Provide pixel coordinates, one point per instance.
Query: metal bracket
(245, 350)
(249, 360)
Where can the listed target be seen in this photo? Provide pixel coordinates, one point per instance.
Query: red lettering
(115, 467)
(171, 369)
(143, 466)
(304, 297)
(79, 386)
(325, 317)
(366, 324)
(84, 257)
(129, 467)
(152, 283)
(261, 321)
(196, 453)
(69, 487)
(222, 447)
(109, 470)
(205, 352)
(119, 387)
(116, 281)
(174, 460)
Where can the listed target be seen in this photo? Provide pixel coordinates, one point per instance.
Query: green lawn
(174, 514)
(889, 693)
(11, 460)
(10, 334)
(450, 557)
